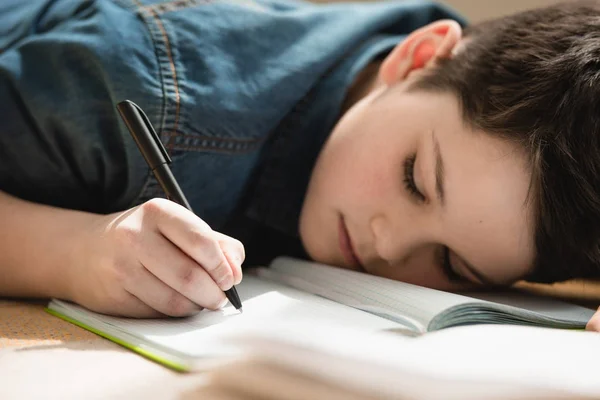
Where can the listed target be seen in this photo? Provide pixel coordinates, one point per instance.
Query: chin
(305, 236)
(321, 254)
(310, 246)
(314, 244)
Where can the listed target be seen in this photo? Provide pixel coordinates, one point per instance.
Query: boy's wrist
(66, 278)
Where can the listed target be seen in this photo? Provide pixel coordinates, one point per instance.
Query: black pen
(158, 160)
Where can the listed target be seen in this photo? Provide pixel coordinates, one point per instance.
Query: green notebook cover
(144, 352)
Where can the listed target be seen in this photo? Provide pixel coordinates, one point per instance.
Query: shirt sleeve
(61, 74)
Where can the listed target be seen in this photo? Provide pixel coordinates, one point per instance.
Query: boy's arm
(154, 259)
(37, 244)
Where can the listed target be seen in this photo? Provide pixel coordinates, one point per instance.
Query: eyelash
(447, 266)
(411, 187)
(409, 178)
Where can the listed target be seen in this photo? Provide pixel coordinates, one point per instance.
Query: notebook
(306, 294)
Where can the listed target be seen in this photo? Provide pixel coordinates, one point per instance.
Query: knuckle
(154, 208)
(240, 248)
(188, 276)
(129, 236)
(220, 267)
(201, 238)
(234, 250)
(221, 273)
(178, 306)
(121, 272)
(120, 300)
(238, 244)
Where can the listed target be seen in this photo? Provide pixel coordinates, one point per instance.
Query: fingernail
(226, 282)
(235, 259)
(238, 280)
(223, 303)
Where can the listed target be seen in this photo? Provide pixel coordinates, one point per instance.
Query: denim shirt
(243, 94)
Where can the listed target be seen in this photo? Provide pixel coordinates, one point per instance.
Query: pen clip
(152, 131)
(123, 106)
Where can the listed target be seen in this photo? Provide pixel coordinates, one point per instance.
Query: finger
(235, 254)
(181, 273)
(594, 322)
(158, 295)
(194, 237)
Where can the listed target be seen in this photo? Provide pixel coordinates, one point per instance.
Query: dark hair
(534, 78)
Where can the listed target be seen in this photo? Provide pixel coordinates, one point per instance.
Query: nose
(387, 245)
(402, 244)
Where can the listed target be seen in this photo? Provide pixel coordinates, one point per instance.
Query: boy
(377, 137)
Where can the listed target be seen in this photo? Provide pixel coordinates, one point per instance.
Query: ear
(421, 48)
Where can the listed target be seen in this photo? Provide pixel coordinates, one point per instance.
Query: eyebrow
(439, 170)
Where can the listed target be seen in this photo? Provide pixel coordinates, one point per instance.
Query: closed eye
(447, 268)
(409, 178)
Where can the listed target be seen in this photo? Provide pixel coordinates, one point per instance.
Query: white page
(407, 304)
(410, 304)
(266, 305)
(546, 306)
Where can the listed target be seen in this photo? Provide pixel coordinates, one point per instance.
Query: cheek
(367, 168)
(421, 269)
(360, 168)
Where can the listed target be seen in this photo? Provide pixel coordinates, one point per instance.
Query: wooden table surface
(42, 356)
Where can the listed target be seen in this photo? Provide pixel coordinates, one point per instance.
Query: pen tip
(241, 310)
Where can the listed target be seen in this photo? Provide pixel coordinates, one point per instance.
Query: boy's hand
(156, 259)
(594, 322)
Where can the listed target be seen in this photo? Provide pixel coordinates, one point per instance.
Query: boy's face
(401, 178)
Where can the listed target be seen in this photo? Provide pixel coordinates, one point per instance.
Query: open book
(306, 294)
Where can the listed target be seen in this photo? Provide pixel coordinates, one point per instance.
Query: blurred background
(476, 10)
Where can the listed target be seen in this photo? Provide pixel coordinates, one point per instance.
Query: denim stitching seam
(168, 71)
(171, 87)
(174, 5)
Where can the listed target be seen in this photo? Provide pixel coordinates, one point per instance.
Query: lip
(346, 246)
